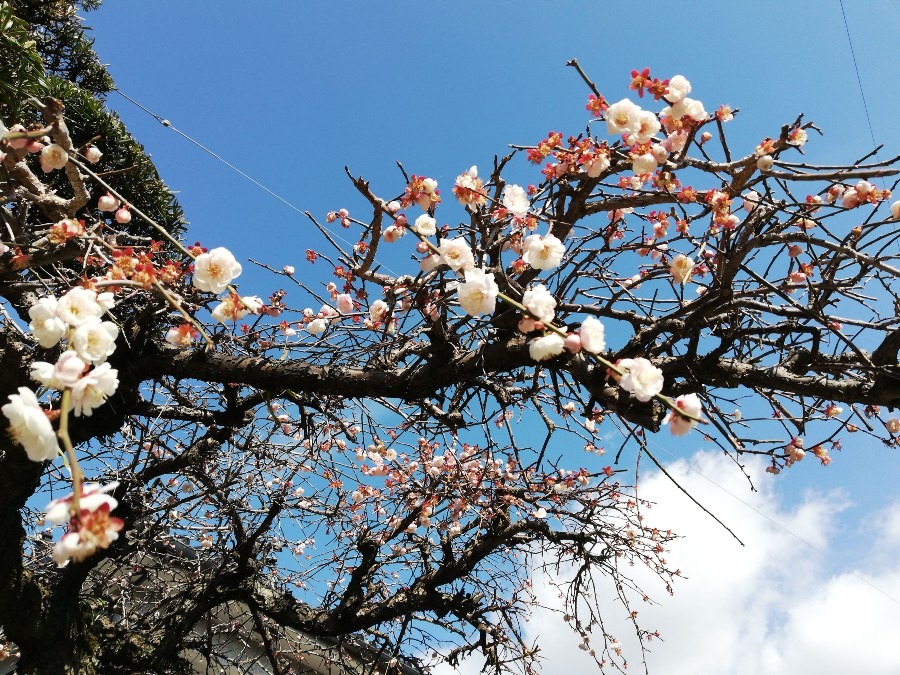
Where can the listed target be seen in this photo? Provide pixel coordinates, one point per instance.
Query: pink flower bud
(107, 203)
(765, 163)
(573, 343)
(893, 425)
(422, 247)
(705, 136)
(123, 215)
(393, 207)
(92, 154)
(794, 250)
(526, 324)
(343, 213)
(850, 199)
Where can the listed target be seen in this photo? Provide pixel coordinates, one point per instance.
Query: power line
(858, 78)
(166, 123)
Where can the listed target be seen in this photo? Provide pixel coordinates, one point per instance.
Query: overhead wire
(166, 123)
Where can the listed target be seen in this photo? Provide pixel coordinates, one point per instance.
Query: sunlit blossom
(478, 293)
(641, 378)
(540, 303)
(543, 253)
(213, 271)
(546, 347)
(30, 427)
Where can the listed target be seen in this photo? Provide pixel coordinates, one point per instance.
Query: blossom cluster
(81, 369)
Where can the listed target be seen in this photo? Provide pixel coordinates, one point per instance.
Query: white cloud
(773, 607)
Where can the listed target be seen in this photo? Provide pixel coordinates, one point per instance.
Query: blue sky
(292, 92)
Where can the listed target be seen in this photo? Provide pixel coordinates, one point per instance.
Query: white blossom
(53, 156)
(645, 163)
(317, 326)
(678, 88)
(642, 378)
(426, 225)
(593, 336)
(681, 269)
(543, 253)
(79, 306)
(546, 347)
(92, 390)
(622, 118)
(478, 293)
(95, 340)
(540, 303)
(64, 373)
(46, 326)
(213, 271)
(378, 311)
(29, 426)
(456, 254)
(515, 200)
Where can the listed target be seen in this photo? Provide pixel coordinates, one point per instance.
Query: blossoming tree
(342, 457)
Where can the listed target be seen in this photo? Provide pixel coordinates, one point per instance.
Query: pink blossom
(678, 424)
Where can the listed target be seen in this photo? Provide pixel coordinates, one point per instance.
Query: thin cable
(166, 123)
(858, 78)
(815, 548)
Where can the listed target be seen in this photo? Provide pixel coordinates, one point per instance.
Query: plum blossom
(107, 203)
(469, 189)
(593, 337)
(93, 495)
(515, 200)
(895, 210)
(213, 271)
(682, 267)
(543, 253)
(678, 424)
(765, 163)
(540, 303)
(647, 126)
(456, 254)
(426, 225)
(95, 340)
(92, 154)
(65, 373)
(53, 156)
(641, 378)
(546, 347)
(317, 326)
(234, 307)
(79, 306)
(622, 117)
(45, 325)
(678, 88)
(30, 427)
(181, 336)
(378, 311)
(478, 293)
(92, 390)
(92, 530)
(344, 303)
(645, 163)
